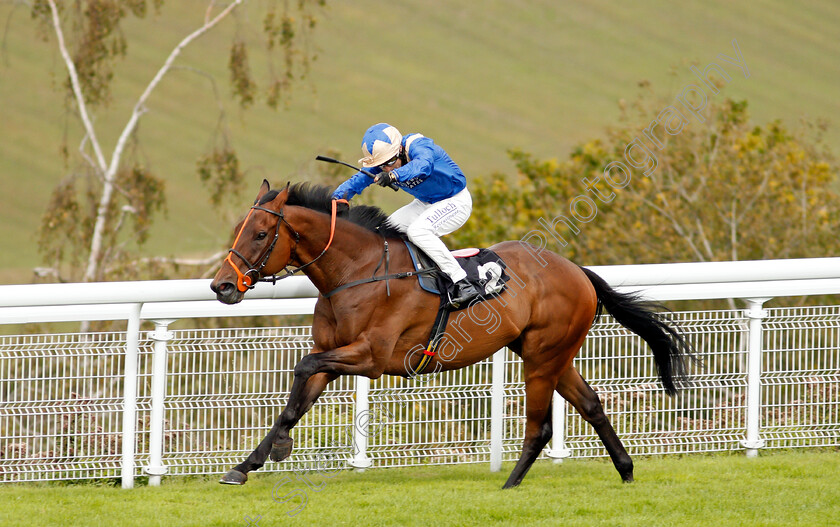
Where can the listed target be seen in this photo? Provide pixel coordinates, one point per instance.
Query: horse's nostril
(222, 288)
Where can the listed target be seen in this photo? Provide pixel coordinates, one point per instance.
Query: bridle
(244, 281)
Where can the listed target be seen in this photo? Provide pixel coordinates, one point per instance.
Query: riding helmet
(380, 144)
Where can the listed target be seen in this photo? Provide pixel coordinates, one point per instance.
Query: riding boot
(464, 292)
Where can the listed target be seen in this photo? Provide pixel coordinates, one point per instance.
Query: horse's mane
(319, 197)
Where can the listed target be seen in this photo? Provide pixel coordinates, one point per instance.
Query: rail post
(558, 451)
(497, 410)
(161, 335)
(755, 312)
(361, 425)
(129, 421)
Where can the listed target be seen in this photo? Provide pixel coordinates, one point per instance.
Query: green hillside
(478, 77)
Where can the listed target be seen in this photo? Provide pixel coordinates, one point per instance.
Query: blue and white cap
(381, 143)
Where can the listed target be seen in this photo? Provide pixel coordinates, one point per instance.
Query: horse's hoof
(234, 477)
(281, 449)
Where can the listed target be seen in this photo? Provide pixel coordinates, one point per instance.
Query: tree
(99, 214)
(723, 189)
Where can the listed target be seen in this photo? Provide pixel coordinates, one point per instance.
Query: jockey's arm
(421, 165)
(355, 185)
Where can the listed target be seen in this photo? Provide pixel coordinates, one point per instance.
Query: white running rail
(188, 401)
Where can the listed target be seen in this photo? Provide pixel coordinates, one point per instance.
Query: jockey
(442, 202)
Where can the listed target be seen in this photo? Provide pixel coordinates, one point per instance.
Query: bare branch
(211, 261)
(167, 65)
(704, 239)
(77, 87)
(733, 231)
(210, 78)
(682, 232)
(139, 109)
(192, 262)
(87, 158)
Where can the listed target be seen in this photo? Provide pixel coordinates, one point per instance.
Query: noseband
(244, 281)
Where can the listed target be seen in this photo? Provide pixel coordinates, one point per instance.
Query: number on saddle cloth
(484, 268)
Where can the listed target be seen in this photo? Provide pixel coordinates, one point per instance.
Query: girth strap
(438, 329)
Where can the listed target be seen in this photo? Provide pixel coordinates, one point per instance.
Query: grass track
(779, 488)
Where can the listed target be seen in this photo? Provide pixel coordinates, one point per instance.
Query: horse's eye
(261, 235)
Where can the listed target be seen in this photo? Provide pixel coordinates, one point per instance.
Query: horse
(367, 322)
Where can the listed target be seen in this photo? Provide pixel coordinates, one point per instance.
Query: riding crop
(363, 171)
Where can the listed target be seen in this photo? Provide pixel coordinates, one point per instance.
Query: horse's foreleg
(312, 389)
(354, 359)
(312, 374)
(576, 390)
(301, 399)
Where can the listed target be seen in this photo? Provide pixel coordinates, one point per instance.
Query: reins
(245, 282)
(385, 277)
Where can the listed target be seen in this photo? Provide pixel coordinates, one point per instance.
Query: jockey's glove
(385, 179)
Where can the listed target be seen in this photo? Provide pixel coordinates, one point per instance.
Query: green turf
(790, 488)
(478, 77)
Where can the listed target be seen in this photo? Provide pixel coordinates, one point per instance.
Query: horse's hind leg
(538, 392)
(578, 392)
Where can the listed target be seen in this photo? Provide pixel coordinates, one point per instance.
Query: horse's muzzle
(226, 292)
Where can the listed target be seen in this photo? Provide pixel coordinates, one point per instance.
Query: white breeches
(426, 222)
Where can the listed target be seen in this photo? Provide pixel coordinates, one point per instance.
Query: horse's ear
(284, 194)
(264, 188)
(275, 197)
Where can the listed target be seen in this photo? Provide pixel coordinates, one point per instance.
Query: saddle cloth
(484, 268)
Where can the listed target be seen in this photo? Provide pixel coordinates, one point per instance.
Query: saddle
(485, 270)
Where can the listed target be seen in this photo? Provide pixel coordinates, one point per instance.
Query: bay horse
(371, 329)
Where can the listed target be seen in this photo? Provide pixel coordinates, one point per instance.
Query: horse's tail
(670, 349)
